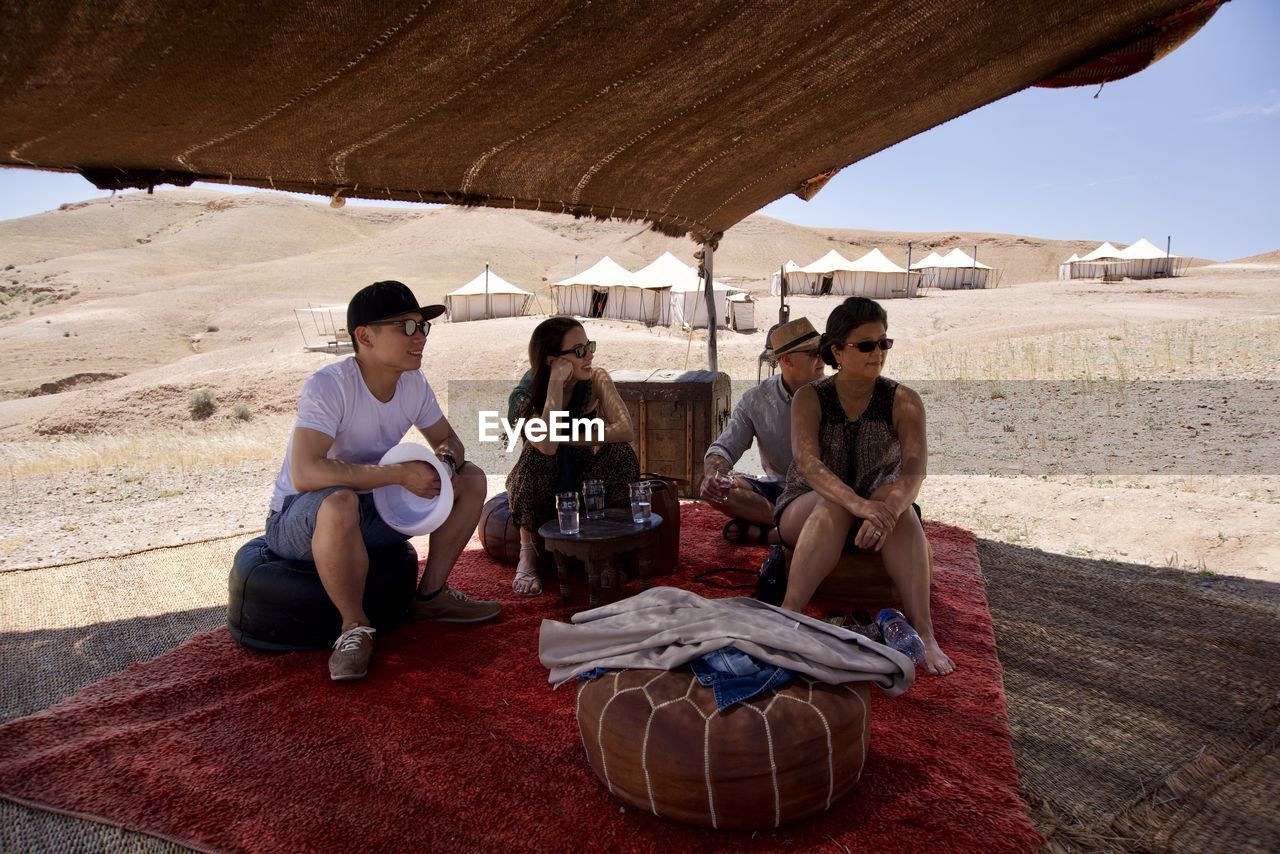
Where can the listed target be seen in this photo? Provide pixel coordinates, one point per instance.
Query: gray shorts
(289, 530)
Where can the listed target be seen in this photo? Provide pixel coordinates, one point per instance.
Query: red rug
(456, 742)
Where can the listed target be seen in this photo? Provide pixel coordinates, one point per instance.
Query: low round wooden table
(597, 543)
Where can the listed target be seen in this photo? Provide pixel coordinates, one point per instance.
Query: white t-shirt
(336, 402)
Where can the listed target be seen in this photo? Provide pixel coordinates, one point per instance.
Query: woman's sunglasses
(579, 350)
(409, 325)
(868, 346)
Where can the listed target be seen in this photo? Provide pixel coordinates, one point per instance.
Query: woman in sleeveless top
(859, 460)
(563, 379)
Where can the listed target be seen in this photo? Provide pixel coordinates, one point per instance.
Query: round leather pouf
(655, 739)
(280, 605)
(498, 532)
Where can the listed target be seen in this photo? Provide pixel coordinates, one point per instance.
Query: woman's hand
(878, 525)
(561, 370)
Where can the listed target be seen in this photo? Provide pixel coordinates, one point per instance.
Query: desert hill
(131, 285)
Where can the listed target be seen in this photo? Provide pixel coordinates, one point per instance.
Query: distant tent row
(665, 292)
(1142, 260)
(873, 275)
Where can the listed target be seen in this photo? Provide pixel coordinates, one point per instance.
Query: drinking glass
(567, 511)
(641, 502)
(724, 483)
(593, 499)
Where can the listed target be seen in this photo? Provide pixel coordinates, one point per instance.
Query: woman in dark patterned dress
(860, 456)
(563, 379)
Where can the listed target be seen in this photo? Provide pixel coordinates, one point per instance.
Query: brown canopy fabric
(689, 115)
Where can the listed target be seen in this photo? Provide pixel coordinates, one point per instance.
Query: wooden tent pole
(708, 256)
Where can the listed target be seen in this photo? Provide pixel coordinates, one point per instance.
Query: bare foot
(935, 660)
(527, 582)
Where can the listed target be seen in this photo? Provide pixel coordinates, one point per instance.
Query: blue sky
(1188, 148)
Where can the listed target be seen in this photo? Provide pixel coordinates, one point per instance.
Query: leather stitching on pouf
(656, 792)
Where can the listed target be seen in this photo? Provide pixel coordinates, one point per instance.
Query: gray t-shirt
(763, 414)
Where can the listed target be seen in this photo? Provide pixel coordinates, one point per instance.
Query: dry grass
(233, 445)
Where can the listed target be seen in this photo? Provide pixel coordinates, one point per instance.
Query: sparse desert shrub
(8, 266)
(66, 335)
(211, 328)
(240, 412)
(201, 404)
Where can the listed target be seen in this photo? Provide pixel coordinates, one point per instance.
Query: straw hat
(792, 335)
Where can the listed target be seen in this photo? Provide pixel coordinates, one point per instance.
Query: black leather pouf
(280, 605)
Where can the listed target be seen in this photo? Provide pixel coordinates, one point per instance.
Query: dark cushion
(280, 605)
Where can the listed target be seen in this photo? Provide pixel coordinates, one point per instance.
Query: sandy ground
(1133, 421)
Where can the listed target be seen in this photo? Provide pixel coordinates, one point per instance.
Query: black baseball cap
(385, 299)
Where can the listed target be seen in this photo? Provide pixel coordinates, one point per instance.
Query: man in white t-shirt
(349, 415)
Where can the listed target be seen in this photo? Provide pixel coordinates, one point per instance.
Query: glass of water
(641, 502)
(724, 482)
(567, 511)
(593, 499)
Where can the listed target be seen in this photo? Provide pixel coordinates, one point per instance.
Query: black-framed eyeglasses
(868, 346)
(409, 325)
(579, 350)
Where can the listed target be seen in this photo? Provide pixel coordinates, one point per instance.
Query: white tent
(487, 295)
(689, 303)
(586, 294)
(1064, 269)
(1143, 260)
(875, 276)
(821, 276)
(683, 289)
(1104, 252)
(1102, 261)
(775, 281)
(930, 260)
(957, 269)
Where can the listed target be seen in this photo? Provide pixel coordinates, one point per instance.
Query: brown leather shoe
(351, 653)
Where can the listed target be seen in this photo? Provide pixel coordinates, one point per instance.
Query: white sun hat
(401, 509)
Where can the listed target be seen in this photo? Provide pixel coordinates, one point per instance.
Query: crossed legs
(819, 527)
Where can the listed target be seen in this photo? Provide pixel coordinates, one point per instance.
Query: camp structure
(487, 295)
(607, 289)
(953, 271)
(873, 275)
(775, 281)
(1102, 262)
(323, 328)
(1144, 260)
(685, 291)
(820, 277)
(1064, 269)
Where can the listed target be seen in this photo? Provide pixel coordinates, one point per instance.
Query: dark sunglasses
(579, 350)
(868, 346)
(409, 325)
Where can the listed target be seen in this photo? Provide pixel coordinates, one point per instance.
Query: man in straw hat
(762, 415)
(350, 413)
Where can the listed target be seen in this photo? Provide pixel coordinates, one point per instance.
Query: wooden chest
(677, 414)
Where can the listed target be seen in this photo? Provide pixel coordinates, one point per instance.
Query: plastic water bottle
(899, 635)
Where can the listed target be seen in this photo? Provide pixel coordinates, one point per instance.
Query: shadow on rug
(456, 742)
(1144, 702)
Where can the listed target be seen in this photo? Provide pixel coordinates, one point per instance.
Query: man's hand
(420, 478)
(711, 490)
